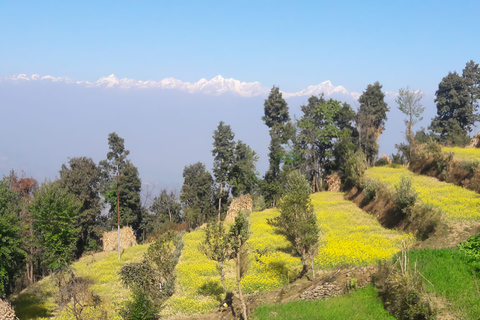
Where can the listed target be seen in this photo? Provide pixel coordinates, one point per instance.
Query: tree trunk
(239, 279)
(313, 267)
(170, 214)
(220, 202)
(305, 265)
(222, 276)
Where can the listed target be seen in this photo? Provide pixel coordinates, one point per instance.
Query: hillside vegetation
(469, 154)
(455, 202)
(349, 237)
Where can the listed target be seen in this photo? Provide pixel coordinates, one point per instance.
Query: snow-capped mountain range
(215, 86)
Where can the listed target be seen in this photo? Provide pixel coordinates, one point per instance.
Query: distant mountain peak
(216, 86)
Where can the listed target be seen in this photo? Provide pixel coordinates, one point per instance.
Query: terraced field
(349, 237)
(470, 154)
(457, 203)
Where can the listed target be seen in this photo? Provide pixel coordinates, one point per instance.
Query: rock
(475, 141)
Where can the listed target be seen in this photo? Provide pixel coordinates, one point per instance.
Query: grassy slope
(455, 202)
(469, 154)
(452, 278)
(360, 305)
(38, 301)
(349, 237)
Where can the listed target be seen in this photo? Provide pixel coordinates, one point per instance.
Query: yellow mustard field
(349, 237)
(455, 202)
(470, 154)
(101, 268)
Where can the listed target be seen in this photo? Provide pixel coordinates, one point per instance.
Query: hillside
(349, 237)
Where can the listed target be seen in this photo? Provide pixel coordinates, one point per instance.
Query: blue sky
(291, 44)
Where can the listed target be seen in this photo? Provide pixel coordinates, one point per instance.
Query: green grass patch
(362, 304)
(455, 202)
(448, 271)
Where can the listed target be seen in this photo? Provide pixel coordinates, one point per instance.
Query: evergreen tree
(11, 253)
(129, 186)
(81, 179)
(55, 212)
(371, 118)
(196, 194)
(243, 174)
(281, 130)
(456, 106)
(223, 151)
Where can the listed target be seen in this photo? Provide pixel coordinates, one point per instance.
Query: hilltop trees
(319, 129)
(243, 173)
(81, 179)
(281, 130)
(371, 118)
(196, 194)
(223, 151)
(54, 215)
(11, 253)
(456, 100)
(131, 212)
(166, 207)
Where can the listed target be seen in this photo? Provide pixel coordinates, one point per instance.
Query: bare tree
(409, 103)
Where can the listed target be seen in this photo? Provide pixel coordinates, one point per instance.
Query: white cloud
(215, 86)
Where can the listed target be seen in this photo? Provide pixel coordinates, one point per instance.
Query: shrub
(140, 307)
(471, 248)
(405, 195)
(381, 162)
(355, 170)
(258, 203)
(370, 192)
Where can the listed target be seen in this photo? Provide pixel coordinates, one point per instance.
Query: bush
(140, 307)
(381, 162)
(471, 248)
(355, 170)
(258, 203)
(370, 192)
(405, 195)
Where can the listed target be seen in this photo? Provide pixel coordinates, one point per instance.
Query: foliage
(409, 103)
(11, 253)
(129, 185)
(343, 148)
(243, 174)
(166, 207)
(196, 194)
(216, 246)
(223, 152)
(297, 221)
(455, 202)
(81, 179)
(370, 192)
(139, 308)
(258, 203)
(355, 170)
(281, 130)
(471, 248)
(319, 128)
(456, 105)
(371, 117)
(362, 304)
(381, 162)
(55, 212)
(405, 195)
